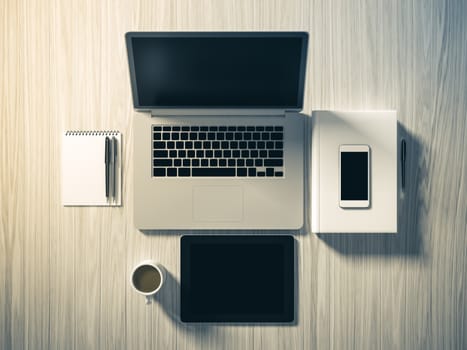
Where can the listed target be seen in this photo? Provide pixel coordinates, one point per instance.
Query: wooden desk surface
(64, 271)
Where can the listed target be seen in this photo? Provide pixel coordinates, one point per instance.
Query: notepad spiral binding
(91, 133)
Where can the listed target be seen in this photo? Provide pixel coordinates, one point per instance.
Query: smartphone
(354, 176)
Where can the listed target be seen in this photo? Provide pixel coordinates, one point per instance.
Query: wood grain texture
(64, 271)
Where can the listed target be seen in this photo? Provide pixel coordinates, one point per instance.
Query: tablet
(237, 279)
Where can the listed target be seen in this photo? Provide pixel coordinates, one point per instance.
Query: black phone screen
(354, 176)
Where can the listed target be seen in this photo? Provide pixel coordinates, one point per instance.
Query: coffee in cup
(147, 278)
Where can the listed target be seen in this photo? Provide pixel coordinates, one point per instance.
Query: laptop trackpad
(217, 203)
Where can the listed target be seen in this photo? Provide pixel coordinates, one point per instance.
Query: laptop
(220, 140)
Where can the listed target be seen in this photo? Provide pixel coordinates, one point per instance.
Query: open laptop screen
(217, 70)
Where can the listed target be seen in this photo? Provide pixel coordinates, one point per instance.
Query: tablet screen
(237, 279)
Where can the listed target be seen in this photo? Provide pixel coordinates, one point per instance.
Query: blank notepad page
(83, 169)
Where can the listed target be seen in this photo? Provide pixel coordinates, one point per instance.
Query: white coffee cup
(147, 278)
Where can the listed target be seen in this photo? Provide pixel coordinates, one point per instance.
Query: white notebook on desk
(84, 169)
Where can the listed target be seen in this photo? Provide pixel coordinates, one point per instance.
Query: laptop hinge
(217, 112)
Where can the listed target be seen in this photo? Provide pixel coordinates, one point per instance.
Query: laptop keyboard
(218, 151)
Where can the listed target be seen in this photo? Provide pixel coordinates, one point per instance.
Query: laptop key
(193, 136)
(216, 145)
(204, 128)
(159, 145)
(213, 172)
(175, 136)
(222, 162)
(254, 154)
(195, 162)
(160, 154)
(166, 128)
(269, 171)
(258, 162)
(231, 162)
(171, 171)
(222, 128)
(278, 174)
(236, 154)
(177, 162)
(157, 136)
(220, 136)
(185, 128)
(278, 128)
(198, 144)
(269, 128)
(276, 154)
(170, 144)
(204, 162)
(270, 145)
(218, 154)
(166, 136)
(184, 136)
(184, 172)
(251, 171)
(213, 162)
(261, 174)
(256, 136)
(273, 162)
(182, 153)
(158, 172)
(200, 153)
(179, 145)
(157, 128)
(279, 145)
(162, 162)
(202, 136)
(277, 136)
(186, 162)
(249, 162)
(263, 154)
(211, 136)
(188, 145)
(173, 153)
(241, 171)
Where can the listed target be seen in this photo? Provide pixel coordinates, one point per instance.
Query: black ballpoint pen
(403, 154)
(107, 167)
(114, 167)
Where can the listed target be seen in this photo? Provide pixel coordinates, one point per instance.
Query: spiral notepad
(84, 169)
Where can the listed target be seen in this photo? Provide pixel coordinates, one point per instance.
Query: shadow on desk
(412, 209)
